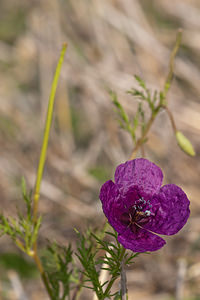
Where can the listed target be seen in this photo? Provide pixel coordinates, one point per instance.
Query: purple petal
(112, 204)
(171, 209)
(141, 241)
(107, 195)
(140, 172)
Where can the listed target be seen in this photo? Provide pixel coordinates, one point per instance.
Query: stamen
(137, 216)
(148, 213)
(142, 200)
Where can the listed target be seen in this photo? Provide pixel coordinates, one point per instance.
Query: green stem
(171, 63)
(46, 132)
(162, 103)
(114, 277)
(122, 254)
(42, 274)
(140, 141)
(124, 291)
(171, 118)
(41, 166)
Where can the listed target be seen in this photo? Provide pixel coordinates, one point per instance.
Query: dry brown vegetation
(108, 42)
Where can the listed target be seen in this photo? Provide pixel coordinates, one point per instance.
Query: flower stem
(114, 277)
(124, 291)
(140, 141)
(42, 272)
(46, 133)
(41, 167)
(162, 103)
(171, 63)
(171, 118)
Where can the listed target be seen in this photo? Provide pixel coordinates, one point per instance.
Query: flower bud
(184, 144)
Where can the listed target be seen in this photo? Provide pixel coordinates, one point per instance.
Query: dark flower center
(137, 215)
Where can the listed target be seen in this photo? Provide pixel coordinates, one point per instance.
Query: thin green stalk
(162, 103)
(46, 132)
(171, 63)
(41, 166)
(122, 254)
(42, 273)
(110, 284)
(140, 141)
(171, 118)
(124, 291)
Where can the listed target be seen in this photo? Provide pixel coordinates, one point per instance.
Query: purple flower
(138, 208)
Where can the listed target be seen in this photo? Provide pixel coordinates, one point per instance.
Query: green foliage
(115, 252)
(156, 101)
(123, 119)
(60, 271)
(90, 247)
(139, 122)
(145, 94)
(22, 229)
(86, 252)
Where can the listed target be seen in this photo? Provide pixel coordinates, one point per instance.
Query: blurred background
(108, 42)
